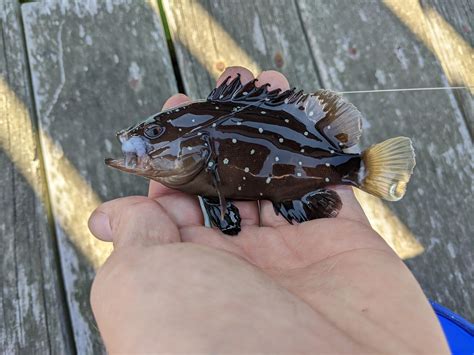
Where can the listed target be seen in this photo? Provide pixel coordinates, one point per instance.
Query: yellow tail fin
(387, 168)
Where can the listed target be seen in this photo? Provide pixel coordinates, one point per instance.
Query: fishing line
(408, 89)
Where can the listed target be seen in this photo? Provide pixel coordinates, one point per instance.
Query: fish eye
(153, 131)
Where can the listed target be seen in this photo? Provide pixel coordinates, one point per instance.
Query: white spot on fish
(193, 120)
(286, 101)
(234, 140)
(277, 159)
(214, 125)
(305, 133)
(226, 161)
(328, 165)
(177, 110)
(221, 96)
(217, 107)
(300, 163)
(246, 170)
(239, 123)
(261, 194)
(302, 150)
(239, 188)
(199, 133)
(260, 130)
(244, 178)
(329, 127)
(311, 113)
(245, 93)
(263, 112)
(190, 148)
(210, 164)
(287, 120)
(180, 129)
(268, 180)
(326, 179)
(331, 151)
(252, 152)
(298, 174)
(281, 140)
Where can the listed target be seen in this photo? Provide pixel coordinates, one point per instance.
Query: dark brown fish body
(260, 156)
(245, 143)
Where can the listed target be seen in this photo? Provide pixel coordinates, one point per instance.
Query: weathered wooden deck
(74, 72)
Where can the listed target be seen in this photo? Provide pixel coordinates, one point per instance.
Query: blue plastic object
(458, 331)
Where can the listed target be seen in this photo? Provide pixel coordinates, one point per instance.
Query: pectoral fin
(317, 204)
(229, 223)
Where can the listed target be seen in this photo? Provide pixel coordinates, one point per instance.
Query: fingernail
(99, 225)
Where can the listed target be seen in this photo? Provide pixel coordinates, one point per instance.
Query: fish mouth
(131, 163)
(140, 165)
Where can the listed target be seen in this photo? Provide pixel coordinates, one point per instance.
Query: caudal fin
(387, 168)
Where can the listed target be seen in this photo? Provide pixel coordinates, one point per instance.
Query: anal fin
(321, 203)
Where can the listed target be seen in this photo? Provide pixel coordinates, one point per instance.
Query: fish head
(160, 150)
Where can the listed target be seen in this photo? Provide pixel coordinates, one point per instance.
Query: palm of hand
(282, 251)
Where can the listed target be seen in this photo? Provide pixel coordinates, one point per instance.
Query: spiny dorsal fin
(342, 121)
(339, 121)
(235, 92)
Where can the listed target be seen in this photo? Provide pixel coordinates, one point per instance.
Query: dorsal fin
(235, 92)
(339, 121)
(342, 120)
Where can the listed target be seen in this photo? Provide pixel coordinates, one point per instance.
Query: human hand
(328, 285)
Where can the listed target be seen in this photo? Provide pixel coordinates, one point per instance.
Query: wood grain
(264, 35)
(97, 67)
(454, 18)
(33, 310)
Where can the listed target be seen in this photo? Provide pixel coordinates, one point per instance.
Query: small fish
(248, 143)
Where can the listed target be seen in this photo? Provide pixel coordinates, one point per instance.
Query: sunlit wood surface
(74, 72)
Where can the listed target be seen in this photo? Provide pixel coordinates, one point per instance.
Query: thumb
(351, 208)
(133, 221)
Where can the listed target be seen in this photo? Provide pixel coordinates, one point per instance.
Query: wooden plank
(354, 53)
(33, 310)
(454, 19)
(97, 67)
(273, 39)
